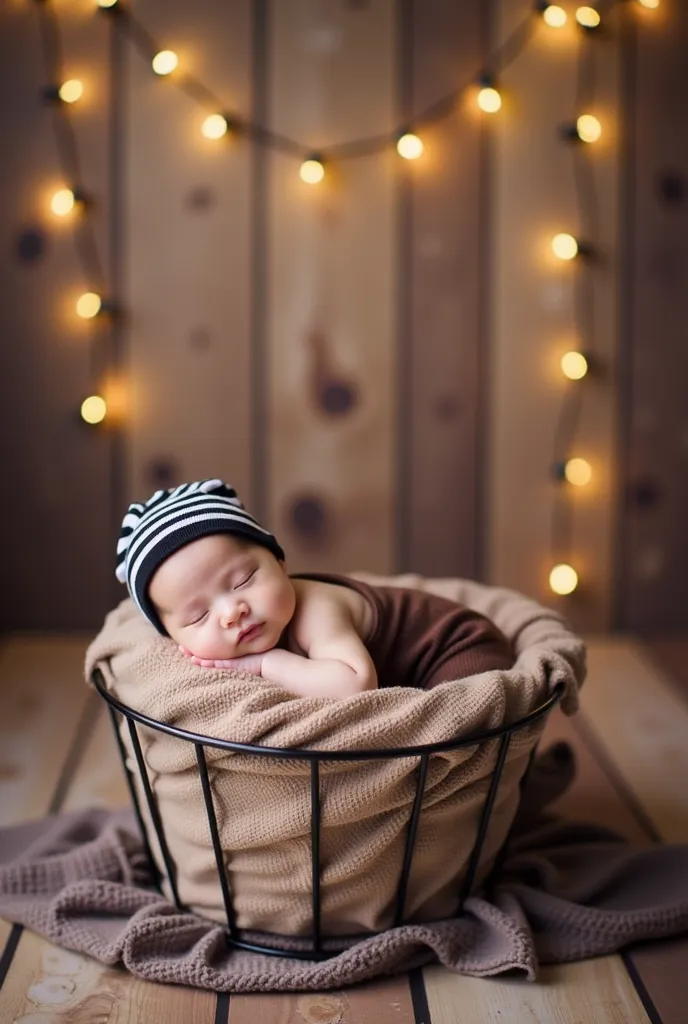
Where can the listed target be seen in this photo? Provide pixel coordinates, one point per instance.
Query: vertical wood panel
(447, 244)
(330, 282)
(188, 255)
(56, 468)
(653, 559)
(534, 324)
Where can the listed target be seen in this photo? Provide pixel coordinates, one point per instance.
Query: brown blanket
(566, 891)
(263, 805)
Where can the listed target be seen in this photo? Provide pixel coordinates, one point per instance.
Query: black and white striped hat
(170, 519)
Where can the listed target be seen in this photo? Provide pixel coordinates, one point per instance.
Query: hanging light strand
(571, 472)
(70, 165)
(440, 109)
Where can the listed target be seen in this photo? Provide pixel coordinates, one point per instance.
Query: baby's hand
(248, 663)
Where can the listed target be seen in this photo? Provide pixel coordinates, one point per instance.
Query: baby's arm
(338, 663)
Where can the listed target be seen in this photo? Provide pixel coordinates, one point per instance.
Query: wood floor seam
(590, 737)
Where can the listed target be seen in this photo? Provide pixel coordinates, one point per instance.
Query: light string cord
(584, 298)
(70, 164)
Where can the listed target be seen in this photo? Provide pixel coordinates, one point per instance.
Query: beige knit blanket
(263, 805)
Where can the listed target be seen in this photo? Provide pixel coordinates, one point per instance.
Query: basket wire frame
(319, 946)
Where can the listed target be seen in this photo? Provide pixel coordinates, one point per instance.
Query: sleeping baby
(205, 573)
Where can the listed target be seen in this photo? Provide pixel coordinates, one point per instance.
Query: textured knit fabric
(264, 804)
(169, 520)
(420, 639)
(566, 891)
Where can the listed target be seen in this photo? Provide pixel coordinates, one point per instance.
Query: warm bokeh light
(106, 3)
(554, 16)
(651, 5)
(409, 146)
(312, 171)
(588, 17)
(574, 365)
(62, 202)
(165, 62)
(588, 127)
(489, 100)
(578, 472)
(88, 305)
(214, 126)
(565, 246)
(563, 579)
(93, 409)
(71, 90)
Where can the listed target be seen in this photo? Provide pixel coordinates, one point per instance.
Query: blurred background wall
(373, 361)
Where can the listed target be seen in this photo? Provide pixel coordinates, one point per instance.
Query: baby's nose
(233, 613)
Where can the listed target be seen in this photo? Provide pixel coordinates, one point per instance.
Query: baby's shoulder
(318, 603)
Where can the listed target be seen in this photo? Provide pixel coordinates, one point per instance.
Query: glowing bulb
(578, 472)
(410, 146)
(651, 5)
(554, 16)
(563, 579)
(71, 90)
(106, 3)
(88, 305)
(165, 62)
(312, 171)
(565, 246)
(214, 126)
(588, 17)
(588, 127)
(93, 409)
(489, 99)
(574, 365)
(62, 202)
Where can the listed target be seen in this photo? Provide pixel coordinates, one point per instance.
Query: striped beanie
(170, 519)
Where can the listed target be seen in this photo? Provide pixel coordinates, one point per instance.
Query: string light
(71, 90)
(588, 128)
(93, 409)
(214, 126)
(574, 365)
(489, 99)
(312, 171)
(587, 17)
(578, 472)
(563, 579)
(165, 62)
(63, 201)
(554, 16)
(409, 146)
(89, 305)
(564, 246)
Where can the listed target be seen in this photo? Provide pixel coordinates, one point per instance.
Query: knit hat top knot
(153, 531)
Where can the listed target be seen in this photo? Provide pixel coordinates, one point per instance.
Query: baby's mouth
(251, 632)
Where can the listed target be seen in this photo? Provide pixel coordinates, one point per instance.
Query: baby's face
(222, 597)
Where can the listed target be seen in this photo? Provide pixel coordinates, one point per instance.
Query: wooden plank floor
(57, 753)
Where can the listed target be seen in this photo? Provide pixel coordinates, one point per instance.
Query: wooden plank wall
(373, 361)
(330, 289)
(56, 473)
(533, 321)
(188, 244)
(653, 553)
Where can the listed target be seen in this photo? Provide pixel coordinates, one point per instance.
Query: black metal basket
(317, 946)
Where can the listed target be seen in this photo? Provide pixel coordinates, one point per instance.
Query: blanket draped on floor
(263, 804)
(566, 891)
